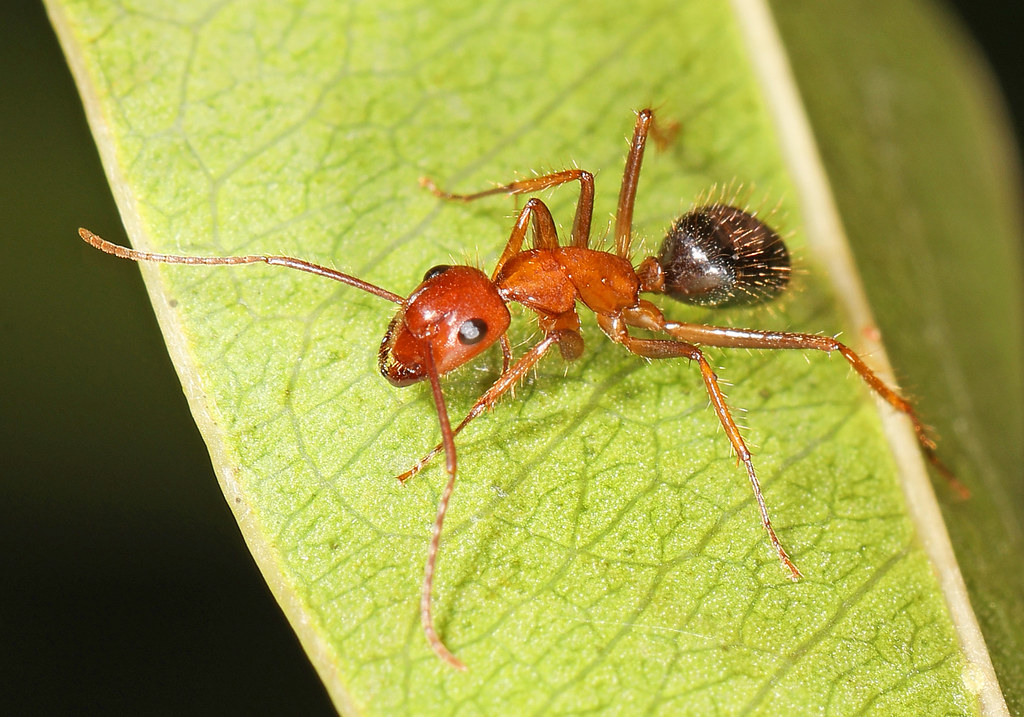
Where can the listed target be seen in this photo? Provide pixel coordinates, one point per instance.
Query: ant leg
(725, 337)
(505, 382)
(506, 352)
(584, 207)
(287, 261)
(502, 385)
(630, 179)
(615, 327)
(545, 236)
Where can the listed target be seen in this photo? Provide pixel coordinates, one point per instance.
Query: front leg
(545, 236)
(503, 385)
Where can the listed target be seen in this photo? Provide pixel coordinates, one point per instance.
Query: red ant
(714, 255)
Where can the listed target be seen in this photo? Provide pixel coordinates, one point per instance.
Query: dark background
(126, 587)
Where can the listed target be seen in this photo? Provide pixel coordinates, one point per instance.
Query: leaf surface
(937, 234)
(602, 552)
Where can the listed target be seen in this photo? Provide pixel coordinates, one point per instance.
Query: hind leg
(648, 316)
(667, 348)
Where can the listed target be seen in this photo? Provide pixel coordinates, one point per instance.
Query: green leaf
(602, 552)
(926, 179)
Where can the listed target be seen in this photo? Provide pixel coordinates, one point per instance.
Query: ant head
(456, 313)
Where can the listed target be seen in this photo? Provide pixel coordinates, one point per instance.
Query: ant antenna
(288, 261)
(448, 440)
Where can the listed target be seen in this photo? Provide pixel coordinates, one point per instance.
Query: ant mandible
(714, 255)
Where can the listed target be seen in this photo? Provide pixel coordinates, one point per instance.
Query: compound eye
(472, 331)
(435, 271)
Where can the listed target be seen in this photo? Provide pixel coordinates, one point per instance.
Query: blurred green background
(126, 586)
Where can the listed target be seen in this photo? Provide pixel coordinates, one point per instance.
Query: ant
(715, 255)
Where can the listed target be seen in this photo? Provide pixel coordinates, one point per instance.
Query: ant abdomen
(718, 255)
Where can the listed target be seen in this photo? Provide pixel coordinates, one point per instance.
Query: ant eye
(472, 332)
(435, 271)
